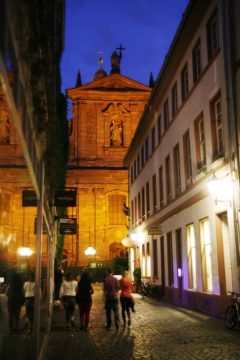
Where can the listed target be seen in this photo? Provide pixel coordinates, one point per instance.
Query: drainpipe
(232, 119)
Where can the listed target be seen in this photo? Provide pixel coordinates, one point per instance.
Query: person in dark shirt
(15, 301)
(111, 291)
(84, 299)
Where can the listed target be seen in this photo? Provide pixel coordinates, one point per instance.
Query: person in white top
(68, 295)
(29, 293)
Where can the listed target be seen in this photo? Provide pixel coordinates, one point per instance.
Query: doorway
(178, 235)
(162, 257)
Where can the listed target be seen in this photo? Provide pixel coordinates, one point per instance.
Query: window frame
(196, 61)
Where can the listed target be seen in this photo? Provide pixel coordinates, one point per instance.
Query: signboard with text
(65, 198)
(155, 229)
(67, 226)
(29, 198)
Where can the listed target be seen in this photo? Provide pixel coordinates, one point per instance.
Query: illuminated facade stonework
(106, 113)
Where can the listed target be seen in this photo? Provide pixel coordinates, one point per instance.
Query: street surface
(158, 332)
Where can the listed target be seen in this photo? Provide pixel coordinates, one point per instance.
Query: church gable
(111, 83)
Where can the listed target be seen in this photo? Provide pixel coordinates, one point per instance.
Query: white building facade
(188, 238)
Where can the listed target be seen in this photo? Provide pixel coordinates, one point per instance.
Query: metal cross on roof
(120, 48)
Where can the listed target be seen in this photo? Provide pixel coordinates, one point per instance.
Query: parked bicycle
(232, 314)
(150, 289)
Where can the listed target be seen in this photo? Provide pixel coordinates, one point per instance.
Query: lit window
(148, 260)
(143, 261)
(192, 263)
(206, 255)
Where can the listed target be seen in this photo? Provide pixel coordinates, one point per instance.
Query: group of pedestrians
(18, 294)
(80, 292)
(72, 291)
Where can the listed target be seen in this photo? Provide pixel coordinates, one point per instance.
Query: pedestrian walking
(84, 299)
(126, 298)
(111, 292)
(29, 293)
(15, 301)
(68, 295)
(58, 277)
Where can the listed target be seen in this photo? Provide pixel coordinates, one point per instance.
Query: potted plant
(137, 279)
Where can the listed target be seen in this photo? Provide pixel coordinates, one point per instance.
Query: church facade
(105, 115)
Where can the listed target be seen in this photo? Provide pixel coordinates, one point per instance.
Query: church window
(4, 209)
(116, 214)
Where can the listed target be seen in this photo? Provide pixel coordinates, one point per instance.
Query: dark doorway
(179, 262)
(162, 265)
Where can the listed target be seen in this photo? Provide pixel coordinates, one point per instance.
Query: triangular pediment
(113, 82)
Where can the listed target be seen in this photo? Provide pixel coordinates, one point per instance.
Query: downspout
(232, 121)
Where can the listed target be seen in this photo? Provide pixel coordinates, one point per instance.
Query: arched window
(115, 207)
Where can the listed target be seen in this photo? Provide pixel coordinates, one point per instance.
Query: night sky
(96, 28)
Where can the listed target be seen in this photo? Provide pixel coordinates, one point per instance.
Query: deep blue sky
(144, 27)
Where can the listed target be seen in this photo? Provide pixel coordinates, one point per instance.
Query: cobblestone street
(158, 331)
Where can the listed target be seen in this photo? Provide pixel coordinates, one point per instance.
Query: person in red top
(126, 297)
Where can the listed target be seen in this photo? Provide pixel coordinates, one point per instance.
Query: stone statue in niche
(116, 131)
(4, 130)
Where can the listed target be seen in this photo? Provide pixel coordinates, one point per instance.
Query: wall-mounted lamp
(127, 242)
(221, 189)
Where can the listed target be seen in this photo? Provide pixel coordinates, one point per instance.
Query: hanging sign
(29, 198)
(155, 229)
(67, 226)
(65, 198)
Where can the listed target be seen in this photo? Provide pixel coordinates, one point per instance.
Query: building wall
(96, 167)
(215, 266)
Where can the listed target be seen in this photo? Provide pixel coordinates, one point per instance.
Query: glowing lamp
(221, 189)
(24, 251)
(90, 251)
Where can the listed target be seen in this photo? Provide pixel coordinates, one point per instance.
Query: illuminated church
(105, 115)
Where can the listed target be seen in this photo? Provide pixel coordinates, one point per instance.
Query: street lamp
(90, 251)
(221, 189)
(137, 238)
(25, 252)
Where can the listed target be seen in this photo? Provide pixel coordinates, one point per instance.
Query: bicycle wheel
(230, 317)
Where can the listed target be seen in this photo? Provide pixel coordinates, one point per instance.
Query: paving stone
(159, 331)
